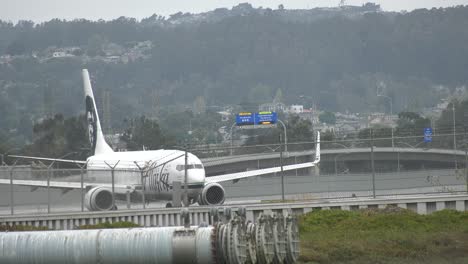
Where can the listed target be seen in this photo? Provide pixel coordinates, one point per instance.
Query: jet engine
(212, 194)
(99, 199)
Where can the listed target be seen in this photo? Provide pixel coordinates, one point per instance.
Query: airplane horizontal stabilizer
(49, 159)
(119, 188)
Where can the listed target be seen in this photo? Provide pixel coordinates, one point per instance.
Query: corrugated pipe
(231, 240)
(135, 245)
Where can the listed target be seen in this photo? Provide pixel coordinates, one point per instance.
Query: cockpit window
(181, 167)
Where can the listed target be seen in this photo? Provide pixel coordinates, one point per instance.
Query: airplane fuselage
(155, 171)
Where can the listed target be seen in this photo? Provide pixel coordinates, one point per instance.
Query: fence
(340, 174)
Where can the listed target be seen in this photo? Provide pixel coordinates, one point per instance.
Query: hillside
(338, 58)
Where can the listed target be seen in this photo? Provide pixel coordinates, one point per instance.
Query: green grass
(384, 236)
(108, 225)
(18, 228)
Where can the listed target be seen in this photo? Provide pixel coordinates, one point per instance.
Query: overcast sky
(44, 10)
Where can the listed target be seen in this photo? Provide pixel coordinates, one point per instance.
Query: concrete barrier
(201, 215)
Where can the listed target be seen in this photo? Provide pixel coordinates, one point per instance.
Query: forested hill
(336, 58)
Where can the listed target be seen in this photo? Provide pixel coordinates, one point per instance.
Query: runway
(262, 188)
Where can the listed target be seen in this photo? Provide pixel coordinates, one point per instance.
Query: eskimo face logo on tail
(91, 118)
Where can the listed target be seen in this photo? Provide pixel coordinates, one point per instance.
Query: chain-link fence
(29, 189)
(348, 168)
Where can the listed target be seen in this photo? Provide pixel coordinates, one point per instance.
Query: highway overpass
(441, 158)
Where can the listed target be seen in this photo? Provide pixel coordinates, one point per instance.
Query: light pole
(391, 112)
(282, 172)
(373, 170)
(232, 140)
(186, 202)
(454, 133)
(466, 169)
(454, 136)
(285, 136)
(372, 163)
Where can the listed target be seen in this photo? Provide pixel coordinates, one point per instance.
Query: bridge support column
(461, 206)
(402, 205)
(315, 170)
(440, 206)
(422, 208)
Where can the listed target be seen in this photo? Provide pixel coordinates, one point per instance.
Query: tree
(328, 118)
(57, 136)
(145, 133)
(410, 124)
(299, 130)
(95, 45)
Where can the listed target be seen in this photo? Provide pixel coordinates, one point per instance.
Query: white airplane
(151, 173)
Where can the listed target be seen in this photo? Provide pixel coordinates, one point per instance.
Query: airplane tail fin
(317, 148)
(96, 137)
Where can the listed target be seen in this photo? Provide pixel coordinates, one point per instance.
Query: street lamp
(454, 136)
(285, 136)
(232, 140)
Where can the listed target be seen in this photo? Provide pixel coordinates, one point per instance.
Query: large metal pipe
(273, 239)
(135, 245)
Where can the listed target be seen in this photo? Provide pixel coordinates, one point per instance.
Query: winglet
(96, 137)
(317, 149)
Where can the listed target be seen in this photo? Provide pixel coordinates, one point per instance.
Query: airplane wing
(49, 159)
(119, 188)
(252, 173)
(246, 174)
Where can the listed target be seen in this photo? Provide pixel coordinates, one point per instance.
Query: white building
(273, 107)
(296, 109)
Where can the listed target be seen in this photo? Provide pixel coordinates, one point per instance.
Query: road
(264, 188)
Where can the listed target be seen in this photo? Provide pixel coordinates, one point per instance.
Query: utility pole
(372, 164)
(232, 140)
(285, 135)
(466, 169)
(454, 136)
(282, 172)
(185, 178)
